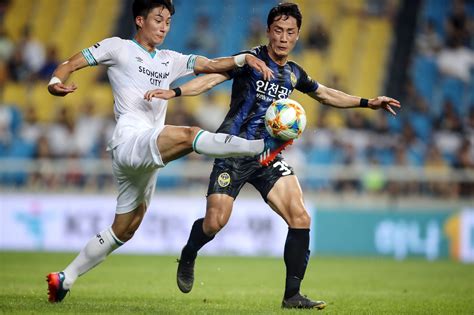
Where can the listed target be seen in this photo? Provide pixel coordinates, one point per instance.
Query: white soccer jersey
(132, 71)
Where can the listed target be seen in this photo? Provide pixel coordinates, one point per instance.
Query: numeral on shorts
(283, 167)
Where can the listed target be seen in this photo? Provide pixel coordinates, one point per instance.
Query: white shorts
(135, 165)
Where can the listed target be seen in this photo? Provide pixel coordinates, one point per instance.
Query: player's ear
(139, 21)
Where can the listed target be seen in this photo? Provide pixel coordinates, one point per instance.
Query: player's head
(153, 18)
(283, 28)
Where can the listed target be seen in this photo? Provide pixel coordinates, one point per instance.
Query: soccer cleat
(301, 301)
(185, 275)
(273, 146)
(56, 292)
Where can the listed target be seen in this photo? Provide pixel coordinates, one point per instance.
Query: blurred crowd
(434, 131)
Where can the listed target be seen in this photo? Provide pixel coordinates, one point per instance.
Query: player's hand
(60, 89)
(159, 93)
(259, 65)
(384, 102)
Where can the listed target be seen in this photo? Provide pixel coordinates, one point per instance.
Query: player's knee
(212, 226)
(192, 132)
(300, 219)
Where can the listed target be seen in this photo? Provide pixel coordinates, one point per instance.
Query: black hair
(285, 9)
(143, 7)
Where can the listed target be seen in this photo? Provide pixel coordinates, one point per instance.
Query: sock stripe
(196, 139)
(117, 241)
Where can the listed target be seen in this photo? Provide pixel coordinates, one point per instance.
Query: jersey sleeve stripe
(191, 62)
(90, 59)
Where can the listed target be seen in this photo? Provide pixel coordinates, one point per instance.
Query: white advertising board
(66, 222)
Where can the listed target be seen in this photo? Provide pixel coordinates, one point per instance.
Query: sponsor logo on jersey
(156, 77)
(139, 59)
(224, 179)
(97, 45)
(165, 63)
(268, 91)
(293, 79)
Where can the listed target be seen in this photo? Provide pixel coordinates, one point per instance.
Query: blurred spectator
(87, 130)
(210, 114)
(464, 160)
(61, 134)
(45, 175)
(428, 42)
(449, 119)
(6, 45)
(414, 148)
(202, 39)
(17, 69)
(318, 37)
(374, 180)
(436, 165)
(33, 51)
(5, 130)
(457, 24)
(456, 61)
(31, 129)
(3, 8)
(50, 64)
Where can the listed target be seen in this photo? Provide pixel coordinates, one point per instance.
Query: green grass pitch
(233, 285)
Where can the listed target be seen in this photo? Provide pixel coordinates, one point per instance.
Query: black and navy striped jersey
(251, 94)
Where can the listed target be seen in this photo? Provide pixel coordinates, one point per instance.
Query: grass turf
(235, 285)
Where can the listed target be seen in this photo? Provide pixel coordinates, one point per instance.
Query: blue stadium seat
(425, 76)
(422, 124)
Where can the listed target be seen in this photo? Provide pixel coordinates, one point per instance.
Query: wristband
(54, 80)
(177, 91)
(240, 60)
(364, 102)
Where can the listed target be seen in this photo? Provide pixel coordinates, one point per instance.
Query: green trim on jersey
(196, 139)
(90, 59)
(191, 62)
(152, 54)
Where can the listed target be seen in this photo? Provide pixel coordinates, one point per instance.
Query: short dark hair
(285, 9)
(143, 7)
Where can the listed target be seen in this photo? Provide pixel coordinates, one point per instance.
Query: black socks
(296, 258)
(197, 239)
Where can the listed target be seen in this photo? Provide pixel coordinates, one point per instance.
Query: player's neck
(144, 43)
(281, 61)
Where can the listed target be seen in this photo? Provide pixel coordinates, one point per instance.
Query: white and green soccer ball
(285, 119)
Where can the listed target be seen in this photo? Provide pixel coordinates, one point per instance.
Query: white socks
(91, 255)
(222, 145)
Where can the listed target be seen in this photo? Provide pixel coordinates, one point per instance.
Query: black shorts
(229, 175)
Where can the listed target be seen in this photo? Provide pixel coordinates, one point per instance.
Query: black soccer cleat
(301, 301)
(185, 275)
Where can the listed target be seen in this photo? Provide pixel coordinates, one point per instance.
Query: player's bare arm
(57, 84)
(194, 87)
(205, 65)
(336, 98)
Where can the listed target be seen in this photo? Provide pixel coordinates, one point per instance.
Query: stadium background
(375, 185)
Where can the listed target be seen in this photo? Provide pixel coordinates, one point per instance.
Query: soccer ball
(285, 119)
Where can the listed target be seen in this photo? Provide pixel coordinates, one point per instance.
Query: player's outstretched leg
(56, 291)
(296, 256)
(95, 251)
(221, 145)
(185, 273)
(273, 146)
